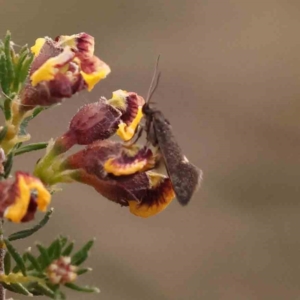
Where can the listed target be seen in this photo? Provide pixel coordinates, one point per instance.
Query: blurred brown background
(231, 89)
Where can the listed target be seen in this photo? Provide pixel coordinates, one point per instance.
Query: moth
(185, 176)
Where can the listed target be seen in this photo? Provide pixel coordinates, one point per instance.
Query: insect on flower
(185, 176)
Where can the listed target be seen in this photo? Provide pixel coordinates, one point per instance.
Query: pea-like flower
(20, 199)
(122, 174)
(61, 68)
(100, 120)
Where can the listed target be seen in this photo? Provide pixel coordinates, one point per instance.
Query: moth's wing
(185, 177)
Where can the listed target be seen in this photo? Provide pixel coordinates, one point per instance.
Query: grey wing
(185, 177)
(186, 180)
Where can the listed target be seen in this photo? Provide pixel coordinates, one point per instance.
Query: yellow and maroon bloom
(100, 120)
(130, 104)
(19, 199)
(120, 173)
(61, 68)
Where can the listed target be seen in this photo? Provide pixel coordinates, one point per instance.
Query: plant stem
(2, 255)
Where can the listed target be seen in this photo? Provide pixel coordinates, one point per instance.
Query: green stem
(2, 255)
(43, 165)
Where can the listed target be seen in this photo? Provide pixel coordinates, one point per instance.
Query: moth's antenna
(154, 81)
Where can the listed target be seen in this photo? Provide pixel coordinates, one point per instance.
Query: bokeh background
(231, 89)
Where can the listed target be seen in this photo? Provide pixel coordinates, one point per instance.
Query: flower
(61, 271)
(22, 197)
(121, 174)
(61, 68)
(100, 120)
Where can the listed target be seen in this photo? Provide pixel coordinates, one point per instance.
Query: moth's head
(147, 110)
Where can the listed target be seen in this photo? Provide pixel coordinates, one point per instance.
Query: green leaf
(16, 256)
(85, 289)
(60, 295)
(8, 59)
(81, 259)
(63, 241)
(54, 250)
(17, 82)
(8, 164)
(25, 68)
(25, 122)
(67, 251)
(7, 108)
(3, 71)
(7, 263)
(1, 100)
(45, 290)
(24, 49)
(3, 133)
(28, 232)
(34, 292)
(31, 147)
(8, 287)
(34, 262)
(24, 256)
(83, 271)
(80, 256)
(21, 289)
(44, 259)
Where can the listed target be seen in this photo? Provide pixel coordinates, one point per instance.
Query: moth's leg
(138, 133)
(151, 134)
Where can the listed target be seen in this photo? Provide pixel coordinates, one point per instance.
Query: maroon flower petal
(95, 121)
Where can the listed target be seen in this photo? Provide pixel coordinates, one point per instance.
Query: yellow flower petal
(126, 132)
(116, 169)
(118, 99)
(17, 211)
(92, 79)
(39, 43)
(44, 197)
(162, 195)
(48, 70)
(25, 185)
(68, 40)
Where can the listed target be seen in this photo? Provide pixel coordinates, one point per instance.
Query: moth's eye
(146, 109)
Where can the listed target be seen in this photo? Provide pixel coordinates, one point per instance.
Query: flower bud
(61, 271)
(94, 121)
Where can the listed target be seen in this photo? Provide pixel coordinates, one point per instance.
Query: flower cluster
(58, 69)
(121, 172)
